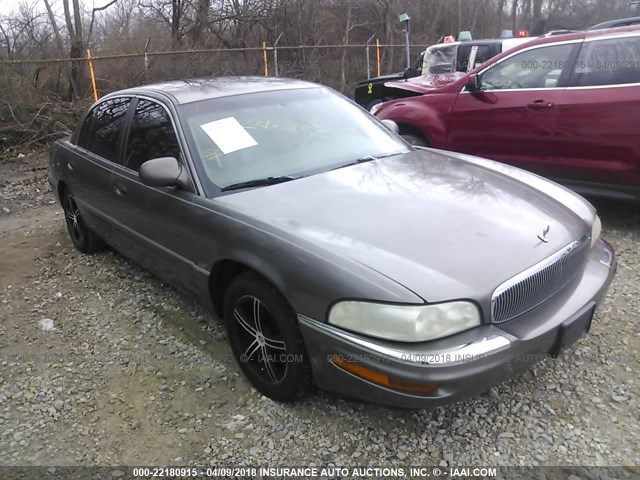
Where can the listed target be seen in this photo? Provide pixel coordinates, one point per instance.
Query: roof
(437, 46)
(574, 36)
(192, 90)
(621, 22)
(580, 35)
(483, 41)
(604, 32)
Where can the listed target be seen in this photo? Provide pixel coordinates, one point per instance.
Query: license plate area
(572, 330)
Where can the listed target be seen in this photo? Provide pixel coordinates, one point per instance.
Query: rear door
(598, 117)
(513, 118)
(92, 162)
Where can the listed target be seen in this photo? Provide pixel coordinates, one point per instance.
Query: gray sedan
(336, 254)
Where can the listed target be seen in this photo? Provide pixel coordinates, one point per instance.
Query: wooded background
(43, 74)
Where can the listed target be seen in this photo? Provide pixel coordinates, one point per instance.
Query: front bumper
(462, 365)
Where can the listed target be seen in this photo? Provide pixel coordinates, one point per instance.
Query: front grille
(537, 284)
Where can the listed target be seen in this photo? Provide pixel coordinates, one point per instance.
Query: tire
(415, 140)
(265, 339)
(82, 237)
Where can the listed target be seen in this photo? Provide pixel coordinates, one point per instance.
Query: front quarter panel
(426, 113)
(309, 277)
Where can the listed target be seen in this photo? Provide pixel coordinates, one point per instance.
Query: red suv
(566, 107)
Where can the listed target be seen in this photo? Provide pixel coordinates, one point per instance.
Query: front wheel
(264, 336)
(82, 237)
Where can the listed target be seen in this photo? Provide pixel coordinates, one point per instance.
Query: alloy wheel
(74, 220)
(261, 342)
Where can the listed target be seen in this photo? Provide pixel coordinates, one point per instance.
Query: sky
(8, 6)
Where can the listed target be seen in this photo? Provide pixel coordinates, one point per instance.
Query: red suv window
(535, 68)
(614, 61)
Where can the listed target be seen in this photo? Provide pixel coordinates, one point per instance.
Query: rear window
(102, 129)
(613, 61)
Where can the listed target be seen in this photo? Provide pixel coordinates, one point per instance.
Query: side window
(464, 56)
(151, 135)
(470, 57)
(614, 61)
(483, 54)
(101, 130)
(535, 68)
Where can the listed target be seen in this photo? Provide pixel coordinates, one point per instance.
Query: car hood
(389, 76)
(427, 83)
(442, 226)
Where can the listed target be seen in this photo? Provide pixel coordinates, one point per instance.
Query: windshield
(439, 59)
(284, 133)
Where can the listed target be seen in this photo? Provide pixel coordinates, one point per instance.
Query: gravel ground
(103, 364)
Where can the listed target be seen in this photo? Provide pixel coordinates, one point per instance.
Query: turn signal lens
(381, 378)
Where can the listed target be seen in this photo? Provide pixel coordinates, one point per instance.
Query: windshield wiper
(258, 182)
(393, 154)
(368, 158)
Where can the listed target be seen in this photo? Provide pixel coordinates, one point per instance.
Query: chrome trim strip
(586, 87)
(598, 87)
(450, 356)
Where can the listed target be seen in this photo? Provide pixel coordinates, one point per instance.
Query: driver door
(513, 118)
(163, 225)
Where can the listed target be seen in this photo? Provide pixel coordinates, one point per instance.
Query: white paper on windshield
(228, 135)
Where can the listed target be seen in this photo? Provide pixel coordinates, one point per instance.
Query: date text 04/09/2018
(367, 472)
(314, 472)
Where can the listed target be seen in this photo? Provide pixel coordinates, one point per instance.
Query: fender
(426, 113)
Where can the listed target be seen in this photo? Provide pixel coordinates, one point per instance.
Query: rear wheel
(264, 336)
(82, 237)
(415, 140)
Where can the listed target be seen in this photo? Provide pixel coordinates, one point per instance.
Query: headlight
(405, 323)
(596, 230)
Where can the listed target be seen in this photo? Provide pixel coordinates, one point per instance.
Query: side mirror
(391, 125)
(474, 83)
(164, 172)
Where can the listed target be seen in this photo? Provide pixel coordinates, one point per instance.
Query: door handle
(540, 105)
(119, 189)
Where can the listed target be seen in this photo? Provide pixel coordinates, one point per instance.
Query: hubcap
(263, 349)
